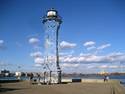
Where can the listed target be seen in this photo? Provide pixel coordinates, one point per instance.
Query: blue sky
(92, 33)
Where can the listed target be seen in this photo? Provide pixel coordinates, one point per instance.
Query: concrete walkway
(71, 88)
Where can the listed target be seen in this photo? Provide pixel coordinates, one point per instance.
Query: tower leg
(44, 77)
(59, 76)
(50, 80)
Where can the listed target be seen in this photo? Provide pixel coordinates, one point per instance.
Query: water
(121, 78)
(7, 78)
(13, 78)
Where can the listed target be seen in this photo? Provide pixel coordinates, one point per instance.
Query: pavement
(25, 87)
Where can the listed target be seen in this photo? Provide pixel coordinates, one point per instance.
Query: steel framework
(52, 23)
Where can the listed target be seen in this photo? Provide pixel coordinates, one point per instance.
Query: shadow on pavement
(8, 89)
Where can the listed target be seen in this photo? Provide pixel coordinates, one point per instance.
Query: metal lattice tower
(52, 23)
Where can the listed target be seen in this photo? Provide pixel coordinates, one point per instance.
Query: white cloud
(90, 66)
(103, 66)
(114, 66)
(65, 45)
(34, 41)
(70, 59)
(39, 60)
(36, 54)
(66, 53)
(2, 45)
(91, 48)
(1, 42)
(69, 65)
(77, 59)
(89, 43)
(116, 57)
(82, 58)
(92, 58)
(84, 61)
(85, 54)
(37, 65)
(110, 67)
(103, 46)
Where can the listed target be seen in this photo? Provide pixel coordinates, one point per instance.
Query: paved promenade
(71, 88)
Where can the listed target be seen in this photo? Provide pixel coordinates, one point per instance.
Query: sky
(91, 36)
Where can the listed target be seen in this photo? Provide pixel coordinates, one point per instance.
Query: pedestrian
(38, 77)
(31, 77)
(104, 78)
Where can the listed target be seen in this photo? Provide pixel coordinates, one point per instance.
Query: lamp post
(52, 23)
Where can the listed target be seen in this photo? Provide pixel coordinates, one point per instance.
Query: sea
(121, 78)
